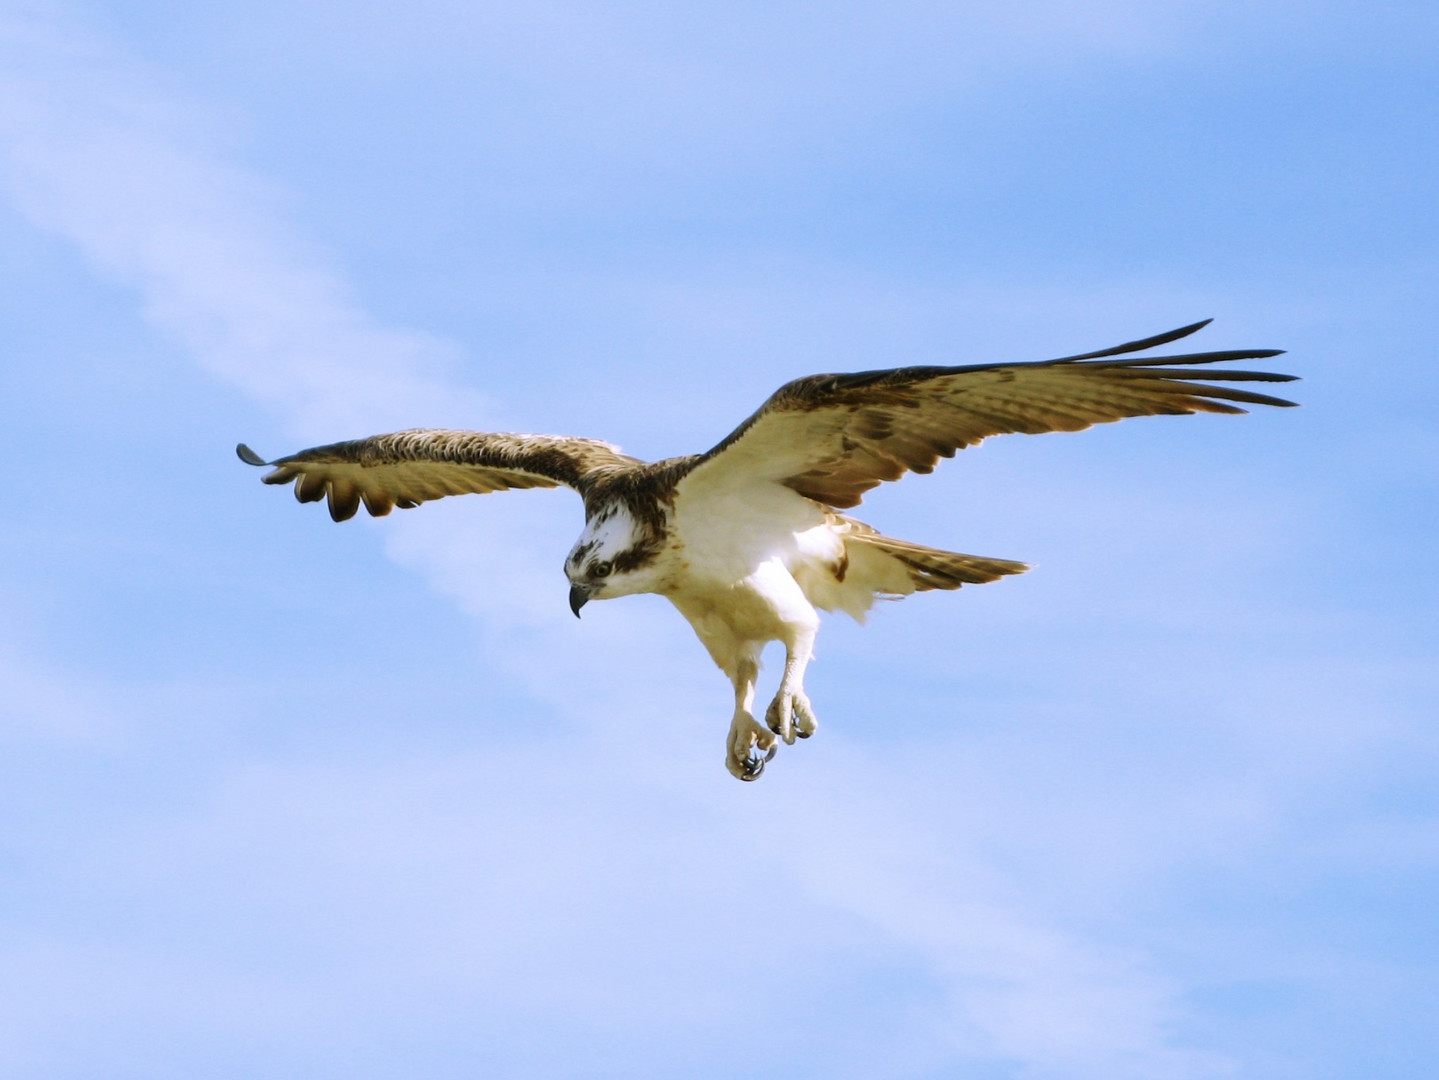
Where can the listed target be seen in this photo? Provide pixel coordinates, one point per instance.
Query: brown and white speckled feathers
(746, 540)
(407, 468)
(831, 438)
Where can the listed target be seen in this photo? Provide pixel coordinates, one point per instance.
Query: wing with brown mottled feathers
(833, 437)
(410, 467)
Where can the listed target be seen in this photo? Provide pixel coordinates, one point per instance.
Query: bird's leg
(789, 715)
(747, 738)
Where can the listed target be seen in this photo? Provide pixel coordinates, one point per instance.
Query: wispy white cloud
(643, 904)
(540, 873)
(95, 151)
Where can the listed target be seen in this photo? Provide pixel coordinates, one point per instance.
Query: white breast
(724, 538)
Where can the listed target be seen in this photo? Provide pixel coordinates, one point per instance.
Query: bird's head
(614, 556)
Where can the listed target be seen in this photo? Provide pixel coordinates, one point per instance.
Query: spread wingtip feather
(249, 457)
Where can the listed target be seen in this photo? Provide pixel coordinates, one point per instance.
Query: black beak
(578, 598)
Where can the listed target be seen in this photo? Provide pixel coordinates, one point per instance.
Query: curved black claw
(801, 733)
(754, 766)
(774, 723)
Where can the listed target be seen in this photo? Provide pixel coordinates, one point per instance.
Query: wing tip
(1139, 345)
(248, 456)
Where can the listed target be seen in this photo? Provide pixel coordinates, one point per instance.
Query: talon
(804, 721)
(780, 719)
(754, 766)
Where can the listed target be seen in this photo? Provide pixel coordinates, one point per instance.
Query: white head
(614, 556)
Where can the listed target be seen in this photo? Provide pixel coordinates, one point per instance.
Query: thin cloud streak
(94, 153)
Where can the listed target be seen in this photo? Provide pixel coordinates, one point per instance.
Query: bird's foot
(746, 747)
(790, 717)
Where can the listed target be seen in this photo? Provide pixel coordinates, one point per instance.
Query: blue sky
(283, 798)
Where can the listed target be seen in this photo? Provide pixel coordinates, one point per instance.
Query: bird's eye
(601, 569)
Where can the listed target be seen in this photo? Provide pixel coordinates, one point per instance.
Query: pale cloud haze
(285, 798)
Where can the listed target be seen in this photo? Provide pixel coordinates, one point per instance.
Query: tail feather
(931, 568)
(869, 567)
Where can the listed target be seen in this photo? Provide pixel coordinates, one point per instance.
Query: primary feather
(833, 437)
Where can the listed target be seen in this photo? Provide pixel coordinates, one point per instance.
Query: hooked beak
(579, 596)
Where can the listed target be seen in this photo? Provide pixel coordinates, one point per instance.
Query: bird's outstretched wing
(833, 437)
(410, 467)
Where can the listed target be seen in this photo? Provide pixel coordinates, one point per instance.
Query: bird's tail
(924, 567)
(871, 567)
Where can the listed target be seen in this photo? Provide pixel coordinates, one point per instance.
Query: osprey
(748, 540)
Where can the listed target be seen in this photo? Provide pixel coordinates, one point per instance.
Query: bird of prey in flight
(748, 539)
